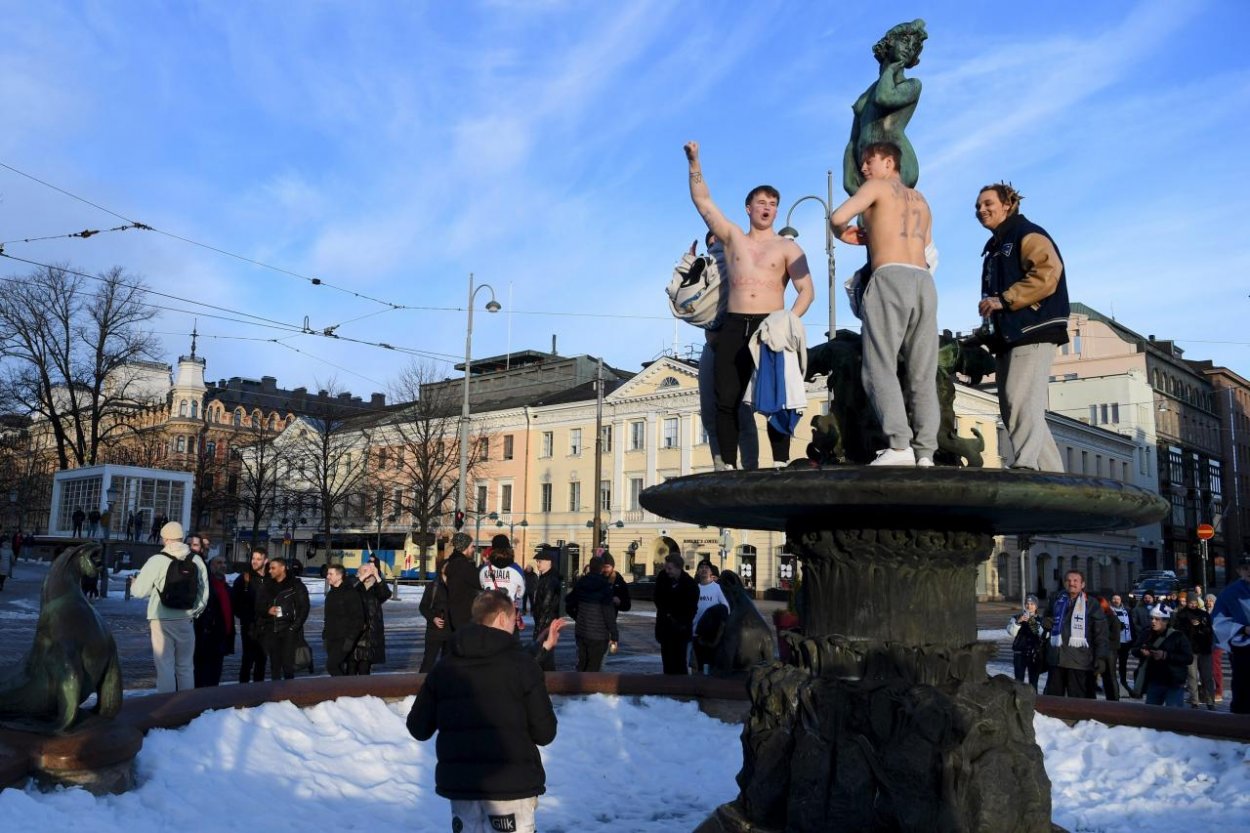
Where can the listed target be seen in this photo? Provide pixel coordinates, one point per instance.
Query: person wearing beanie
(1028, 642)
(501, 573)
(676, 600)
(462, 581)
(620, 587)
(1166, 656)
(546, 604)
(590, 603)
(172, 628)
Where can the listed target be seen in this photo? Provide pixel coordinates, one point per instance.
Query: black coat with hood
(488, 701)
(590, 605)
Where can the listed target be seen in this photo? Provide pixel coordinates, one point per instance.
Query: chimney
(377, 400)
(553, 345)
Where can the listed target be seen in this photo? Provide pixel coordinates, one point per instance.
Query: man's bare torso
(898, 224)
(757, 273)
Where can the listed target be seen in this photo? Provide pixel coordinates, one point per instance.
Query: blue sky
(389, 149)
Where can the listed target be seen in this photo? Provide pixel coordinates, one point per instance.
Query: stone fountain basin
(990, 501)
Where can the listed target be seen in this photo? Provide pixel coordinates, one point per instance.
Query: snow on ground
(645, 764)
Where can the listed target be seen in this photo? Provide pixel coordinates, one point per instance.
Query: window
(1093, 414)
(1076, 343)
(1103, 411)
(381, 458)
(669, 382)
(1097, 465)
(605, 495)
(548, 446)
(399, 458)
(238, 417)
(1115, 412)
(575, 442)
(181, 444)
(545, 497)
(635, 489)
(210, 448)
(505, 497)
(637, 435)
(182, 408)
(481, 498)
(703, 433)
(670, 432)
(483, 448)
(1070, 467)
(575, 496)
(1084, 462)
(507, 447)
(195, 409)
(606, 438)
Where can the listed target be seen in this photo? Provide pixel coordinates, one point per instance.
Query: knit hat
(172, 531)
(543, 555)
(500, 542)
(461, 541)
(608, 559)
(1160, 612)
(1030, 598)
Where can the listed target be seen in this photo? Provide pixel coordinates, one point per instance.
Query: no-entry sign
(1205, 532)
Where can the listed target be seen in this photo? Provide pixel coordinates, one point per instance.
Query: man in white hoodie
(176, 587)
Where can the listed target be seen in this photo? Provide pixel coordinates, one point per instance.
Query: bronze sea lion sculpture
(74, 655)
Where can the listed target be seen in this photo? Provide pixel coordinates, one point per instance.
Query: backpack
(694, 292)
(182, 583)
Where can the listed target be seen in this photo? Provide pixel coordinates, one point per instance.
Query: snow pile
(646, 764)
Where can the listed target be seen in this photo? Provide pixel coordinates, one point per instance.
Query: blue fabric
(770, 391)
(1158, 694)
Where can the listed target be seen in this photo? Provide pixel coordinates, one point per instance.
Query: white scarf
(1076, 639)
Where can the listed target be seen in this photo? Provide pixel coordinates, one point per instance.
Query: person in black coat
(463, 584)
(1194, 621)
(434, 608)
(488, 701)
(546, 603)
(676, 600)
(591, 605)
(374, 592)
(248, 587)
(620, 587)
(284, 602)
(214, 628)
(345, 623)
(1167, 655)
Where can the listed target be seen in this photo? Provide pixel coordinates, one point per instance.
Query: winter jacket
(488, 701)
(344, 617)
(462, 589)
(151, 580)
(1066, 655)
(243, 598)
(1139, 619)
(1172, 670)
(1195, 623)
(214, 628)
(434, 606)
(1029, 639)
(620, 589)
(590, 605)
(675, 605)
(546, 604)
(1022, 267)
(372, 598)
(291, 596)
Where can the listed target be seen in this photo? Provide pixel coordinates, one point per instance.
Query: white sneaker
(924, 463)
(895, 457)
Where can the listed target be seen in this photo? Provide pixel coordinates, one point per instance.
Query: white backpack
(694, 293)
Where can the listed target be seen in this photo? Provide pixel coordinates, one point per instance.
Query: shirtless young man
(759, 263)
(899, 306)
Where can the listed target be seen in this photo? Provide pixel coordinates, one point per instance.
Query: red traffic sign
(1205, 532)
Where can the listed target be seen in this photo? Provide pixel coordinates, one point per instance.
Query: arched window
(669, 382)
(195, 409)
(182, 408)
(258, 419)
(210, 448)
(273, 422)
(181, 445)
(238, 417)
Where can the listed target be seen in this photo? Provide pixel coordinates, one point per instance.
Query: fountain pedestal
(886, 720)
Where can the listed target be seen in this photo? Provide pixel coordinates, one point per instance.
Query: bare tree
(424, 441)
(262, 462)
(69, 345)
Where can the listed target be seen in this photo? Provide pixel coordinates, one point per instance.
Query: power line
(84, 234)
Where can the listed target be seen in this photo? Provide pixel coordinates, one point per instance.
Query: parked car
(1158, 586)
(643, 588)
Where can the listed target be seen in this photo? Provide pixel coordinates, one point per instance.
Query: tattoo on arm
(696, 177)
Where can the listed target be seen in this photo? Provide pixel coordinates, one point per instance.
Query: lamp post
(491, 306)
(792, 233)
(599, 536)
(112, 495)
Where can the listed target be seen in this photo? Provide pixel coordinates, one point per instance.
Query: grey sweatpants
(900, 320)
(1022, 375)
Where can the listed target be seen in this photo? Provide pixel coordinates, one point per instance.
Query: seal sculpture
(74, 655)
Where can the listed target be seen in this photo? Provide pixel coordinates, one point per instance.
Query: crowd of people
(1176, 644)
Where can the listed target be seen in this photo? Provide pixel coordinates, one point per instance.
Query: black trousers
(208, 664)
(1239, 658)
(590, 654)
(1070, 682)
(337, 662)
(434, 650)
(673, 655)
(732, 371)
(280, 648)
(1122, 656)
(252, 663)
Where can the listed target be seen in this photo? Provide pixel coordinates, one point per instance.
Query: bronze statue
(885, 108)
(74, 655)
(747, 639)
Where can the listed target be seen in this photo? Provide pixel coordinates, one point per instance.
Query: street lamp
(792, 233)
(112, 495)
(600, 539)
(491, 306)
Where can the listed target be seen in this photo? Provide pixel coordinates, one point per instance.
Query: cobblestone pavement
(405, 632)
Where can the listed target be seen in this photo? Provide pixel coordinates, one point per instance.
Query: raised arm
(893, 91)
(702, 197)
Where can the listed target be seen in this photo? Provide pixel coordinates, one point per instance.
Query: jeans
(1172, 696)
(1023, 667)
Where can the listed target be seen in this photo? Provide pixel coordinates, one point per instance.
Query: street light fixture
(112, 495)
(792, 233)
(492, 306)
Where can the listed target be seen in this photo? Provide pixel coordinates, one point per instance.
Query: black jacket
(372, 598)
(243, 599)
(488, 701)
(1043, 322)
(620, 589)
(590, 605)
(292, 596)
(212, 631)
(434, 604)
(1172, 670)
(546, 601)
(1139, 621)
(463, 586)
(1195, 623)
(344, 616)
(675, 606)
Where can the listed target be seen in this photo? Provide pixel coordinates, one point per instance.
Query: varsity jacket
(1021, 266)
